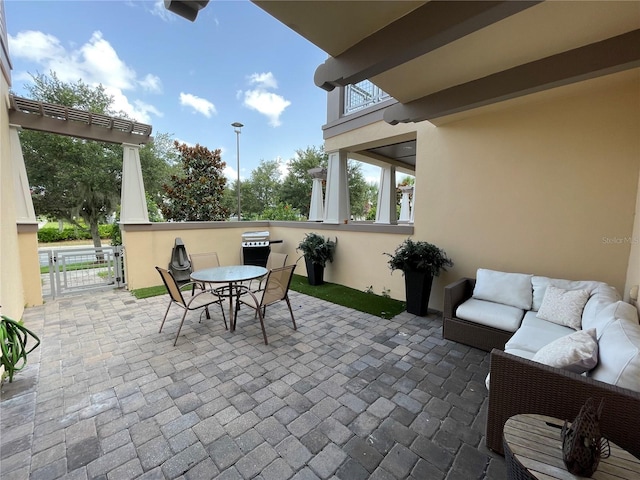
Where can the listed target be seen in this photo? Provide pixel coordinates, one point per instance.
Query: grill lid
(255, 239)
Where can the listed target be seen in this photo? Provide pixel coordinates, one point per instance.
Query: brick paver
(347, 396)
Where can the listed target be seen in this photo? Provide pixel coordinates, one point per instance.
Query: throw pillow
(577, 352)
(563, 307)
(512, 289)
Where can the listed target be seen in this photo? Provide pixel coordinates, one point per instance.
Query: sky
(192, 80)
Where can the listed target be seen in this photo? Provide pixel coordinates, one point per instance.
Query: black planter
(315, 272)
(417, 290)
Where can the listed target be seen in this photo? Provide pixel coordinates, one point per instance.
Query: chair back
(172, 285)
(200, 261)
(276, 260)
(277, 284)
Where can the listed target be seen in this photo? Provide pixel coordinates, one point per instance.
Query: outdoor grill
(256, 248)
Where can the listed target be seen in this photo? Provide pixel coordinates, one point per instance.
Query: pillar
(25, 212)
(405, 206)
(316, 210)
(337, 207)
(133, 203)
(386, 210)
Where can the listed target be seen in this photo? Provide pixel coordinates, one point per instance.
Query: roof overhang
(443, 57)
(62, 120)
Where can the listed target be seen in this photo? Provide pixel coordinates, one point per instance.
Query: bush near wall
(49, 235)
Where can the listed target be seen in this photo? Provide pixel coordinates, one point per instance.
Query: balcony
(362, 95)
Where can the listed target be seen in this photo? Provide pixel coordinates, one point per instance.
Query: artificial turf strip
(377, 305)
(383, 307)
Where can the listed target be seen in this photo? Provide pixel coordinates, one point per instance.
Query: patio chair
(274, 260)
(200, 261)
(200, 300)
(275, 290)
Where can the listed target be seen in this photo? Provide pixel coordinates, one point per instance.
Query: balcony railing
(362, 95)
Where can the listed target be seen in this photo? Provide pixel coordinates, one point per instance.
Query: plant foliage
(13, 343)
(196, 194)
(419, 256)
(317, 249)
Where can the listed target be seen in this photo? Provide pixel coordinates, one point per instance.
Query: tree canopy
(196, 193)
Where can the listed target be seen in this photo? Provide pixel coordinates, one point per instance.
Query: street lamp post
(236, 128)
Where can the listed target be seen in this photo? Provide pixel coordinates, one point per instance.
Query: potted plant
(419, 262)
(13, 345)
(317, 251)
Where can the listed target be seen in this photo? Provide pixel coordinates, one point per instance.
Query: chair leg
(224, 317)
(165, 316)
(291, 312)
(180, 327)
(264, 333)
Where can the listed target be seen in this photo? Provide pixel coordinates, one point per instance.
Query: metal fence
(80, 269)
(362, 95)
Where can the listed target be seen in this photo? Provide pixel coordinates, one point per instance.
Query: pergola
(63, 120)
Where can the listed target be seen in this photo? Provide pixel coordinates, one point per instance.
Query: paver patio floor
(347, 396)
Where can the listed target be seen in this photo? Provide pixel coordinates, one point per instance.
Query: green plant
(13, 343)
(317, 249)
(419, 257)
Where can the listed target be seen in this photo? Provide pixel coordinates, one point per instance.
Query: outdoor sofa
(564, 341)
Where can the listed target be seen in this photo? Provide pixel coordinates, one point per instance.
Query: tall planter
(417, 291)
(315, 272)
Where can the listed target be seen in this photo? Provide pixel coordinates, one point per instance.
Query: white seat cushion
(535, 334)
(491, 314)
(619, 350)
(615, 311)
(512, 289)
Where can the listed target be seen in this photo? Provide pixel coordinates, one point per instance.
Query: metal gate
(81, 269)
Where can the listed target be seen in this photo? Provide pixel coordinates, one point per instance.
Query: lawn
(383, 307)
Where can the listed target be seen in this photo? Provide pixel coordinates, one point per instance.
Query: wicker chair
(519, 386)
(201, 300)
(275, 290)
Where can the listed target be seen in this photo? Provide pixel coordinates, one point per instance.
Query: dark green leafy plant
(13, 343)
(419, 257)
(317, 249)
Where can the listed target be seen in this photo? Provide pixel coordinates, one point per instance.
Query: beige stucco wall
(30, 267)
(12, 297)
(549, 187)
(359, 261)
(633, 271)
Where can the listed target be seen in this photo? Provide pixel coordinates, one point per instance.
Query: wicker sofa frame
(463, 331)
(519, 386)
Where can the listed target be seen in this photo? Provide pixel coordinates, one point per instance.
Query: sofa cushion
(539, 285)
(512, 289)
(614, 311)
(577, 352)
(534, 334)
(491, 314)
(563, 307)
(603, 296)
(619, 350)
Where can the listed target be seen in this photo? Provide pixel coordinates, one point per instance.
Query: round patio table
(232, 275)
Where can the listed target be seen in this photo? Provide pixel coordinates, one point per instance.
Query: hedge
(49, 235)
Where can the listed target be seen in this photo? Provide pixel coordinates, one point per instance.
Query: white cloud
(95, 62)
(200, 105)
(151, 83)
(264, 80)
(158, 10)
(262, 100)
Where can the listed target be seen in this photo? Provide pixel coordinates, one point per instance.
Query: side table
(533, 450)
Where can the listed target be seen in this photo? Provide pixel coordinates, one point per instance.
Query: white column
(133, 203)
(337, 207)
(386, 210)
(413, 204)
(405, 206)
(25, 212)
(316, 210)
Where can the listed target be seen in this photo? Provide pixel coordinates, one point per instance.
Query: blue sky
(191, 80)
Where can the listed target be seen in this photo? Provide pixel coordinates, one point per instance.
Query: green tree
(158, 161)
(72, 178)
(262, 190)
(196, 193)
